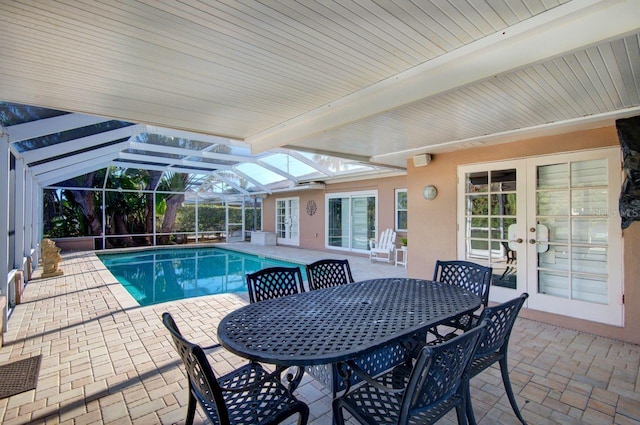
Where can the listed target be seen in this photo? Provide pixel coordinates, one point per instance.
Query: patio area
(107, 360)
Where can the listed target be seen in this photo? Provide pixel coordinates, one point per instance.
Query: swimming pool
(157, 276)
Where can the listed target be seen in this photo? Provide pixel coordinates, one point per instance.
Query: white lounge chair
(383, 248)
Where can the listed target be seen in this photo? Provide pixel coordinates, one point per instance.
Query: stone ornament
(50, 258)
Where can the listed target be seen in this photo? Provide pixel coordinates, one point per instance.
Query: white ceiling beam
(277, 171)
(559, 127)
(171, 168)
(82, 143)
(56, 176)
(305, 160)
(251, 179)
(183, 134)
(150, 147)
(39, 128)
(171, 161)
(568, 27)
(231, 183)
(69, 163)
(210, 168)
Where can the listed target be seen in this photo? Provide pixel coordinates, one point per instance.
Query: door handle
(519, 240)
(532, 241)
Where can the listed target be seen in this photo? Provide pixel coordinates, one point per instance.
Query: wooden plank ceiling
(379, 80)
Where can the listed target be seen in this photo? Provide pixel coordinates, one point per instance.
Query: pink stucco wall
(432, 224)
(312, 226)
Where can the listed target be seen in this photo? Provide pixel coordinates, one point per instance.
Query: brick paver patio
(106, 360)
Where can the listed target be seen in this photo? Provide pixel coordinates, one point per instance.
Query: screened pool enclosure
(126, 184)
(120, 184)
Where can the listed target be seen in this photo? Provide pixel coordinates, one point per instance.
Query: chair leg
(461, 415)
(507, 386)
(304, 415)
(191, 408)
(471, 417)
(338, 418)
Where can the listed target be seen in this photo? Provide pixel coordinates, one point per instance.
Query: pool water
(157, 276)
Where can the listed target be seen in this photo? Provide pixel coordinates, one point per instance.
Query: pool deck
(106, 360)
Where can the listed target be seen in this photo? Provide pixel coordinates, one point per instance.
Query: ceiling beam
(172, 162)
(150, 147)
(251, 179)
(56, 176)
(317, 166)
(39, 128)
(70, 164)
(559, 127)
(277, 171)
(569, 27)
(171, 168)
(230, 183)
(83, 143)
(183, 134)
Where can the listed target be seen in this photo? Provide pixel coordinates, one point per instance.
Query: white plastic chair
(383, 248)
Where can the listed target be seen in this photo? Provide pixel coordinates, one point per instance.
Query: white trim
(396, 210)
(4, 227)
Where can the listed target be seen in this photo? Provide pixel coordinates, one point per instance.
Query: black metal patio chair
(247, 395)
(274, 282)
(470, 276)
(494, 345)
(327, 273)
(420, 394)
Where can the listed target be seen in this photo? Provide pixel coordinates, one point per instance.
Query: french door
(548, 226)
(287, 221)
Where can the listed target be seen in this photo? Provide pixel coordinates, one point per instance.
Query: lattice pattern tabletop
(340, 323)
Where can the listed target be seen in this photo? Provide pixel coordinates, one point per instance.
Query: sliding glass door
(351, 219)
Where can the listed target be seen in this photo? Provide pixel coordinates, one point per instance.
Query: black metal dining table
(342, 323)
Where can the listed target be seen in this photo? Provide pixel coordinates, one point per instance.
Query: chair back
(499, 322)
(274, 282)
(470, 276)
(387, 240)
(202, 381)
(327, 273)
(438, 373)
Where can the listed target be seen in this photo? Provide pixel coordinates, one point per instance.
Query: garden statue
(50, 258)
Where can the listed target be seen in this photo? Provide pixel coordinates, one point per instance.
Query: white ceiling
(378, 80)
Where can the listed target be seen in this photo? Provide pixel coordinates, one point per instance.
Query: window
(401, 210)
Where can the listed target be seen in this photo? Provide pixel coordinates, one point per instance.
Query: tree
(169, 202)
(85, 200)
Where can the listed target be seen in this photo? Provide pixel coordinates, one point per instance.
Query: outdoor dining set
(390, 350)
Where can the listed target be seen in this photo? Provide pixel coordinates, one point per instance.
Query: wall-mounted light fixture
(429, 192)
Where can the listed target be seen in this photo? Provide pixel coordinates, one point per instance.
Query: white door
(492, 218)
(548, 226)
(287, 221)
